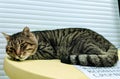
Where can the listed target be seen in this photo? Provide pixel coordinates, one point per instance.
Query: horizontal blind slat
(50, 13)
(75, 2)
(45, 22)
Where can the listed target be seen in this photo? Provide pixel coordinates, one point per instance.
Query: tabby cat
(71, 45)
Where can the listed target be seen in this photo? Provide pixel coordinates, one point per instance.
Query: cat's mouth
(16, 58)
(21, 58)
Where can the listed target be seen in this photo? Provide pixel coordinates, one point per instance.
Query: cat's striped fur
(71, 45)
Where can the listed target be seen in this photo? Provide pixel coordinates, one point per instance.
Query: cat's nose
(18, 50)
(18, 53)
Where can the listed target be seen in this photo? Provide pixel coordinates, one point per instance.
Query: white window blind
(99, 15)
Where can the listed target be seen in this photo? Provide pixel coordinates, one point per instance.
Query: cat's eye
(30, 44)
(10, 49)
(23, 44)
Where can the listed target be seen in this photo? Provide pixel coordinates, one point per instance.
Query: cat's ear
(6, 36)
(26, 31)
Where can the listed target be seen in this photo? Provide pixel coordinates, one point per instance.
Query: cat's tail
(106, 59)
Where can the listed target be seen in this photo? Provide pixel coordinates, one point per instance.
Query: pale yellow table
(41, 69)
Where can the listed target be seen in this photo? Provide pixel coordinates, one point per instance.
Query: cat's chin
(22, 59)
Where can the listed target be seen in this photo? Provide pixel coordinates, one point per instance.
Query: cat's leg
(93, 57)
(81, 57)
(92, 49)
(91, 60)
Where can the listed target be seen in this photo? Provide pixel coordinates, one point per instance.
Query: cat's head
(21, 45)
